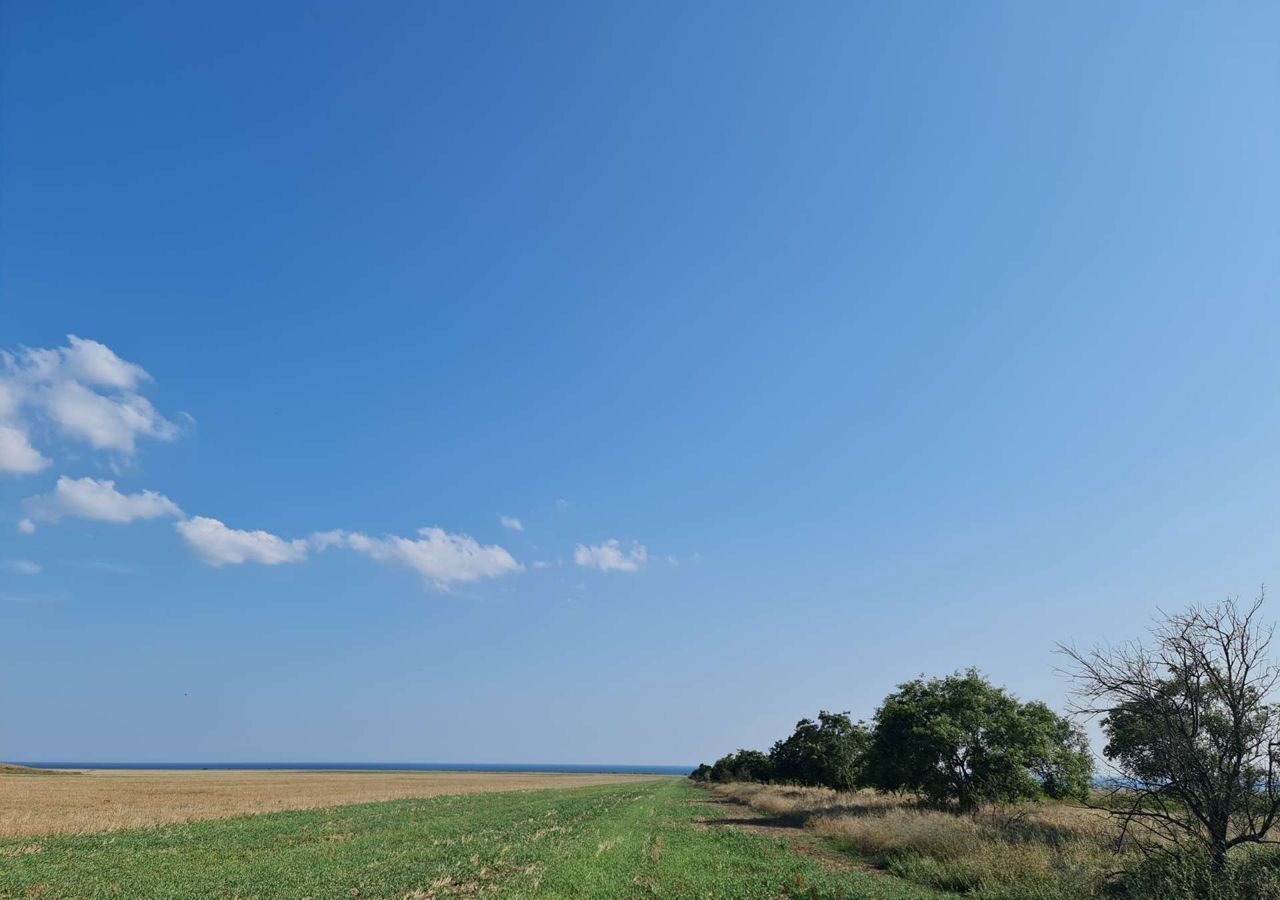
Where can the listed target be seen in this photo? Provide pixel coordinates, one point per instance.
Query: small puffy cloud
(541, 564)
(89, 498)
(511, 523)
(609, 556)
(219, 545)
(22, 567)
(562, 504)
(26, 526)
(440, 557)
(83, 391)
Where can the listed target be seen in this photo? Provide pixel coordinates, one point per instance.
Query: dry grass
(37, 804)
(1043, 850)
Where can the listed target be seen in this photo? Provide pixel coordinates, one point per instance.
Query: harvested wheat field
(110, 800)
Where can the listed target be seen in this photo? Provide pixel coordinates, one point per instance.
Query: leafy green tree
(745, 765)
(702, 773)
(961, 741)
(825, 753)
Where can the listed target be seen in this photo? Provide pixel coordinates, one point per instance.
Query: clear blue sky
(901, 337)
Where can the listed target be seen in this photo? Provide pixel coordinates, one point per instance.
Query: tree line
(954, 741)
(1190, 715)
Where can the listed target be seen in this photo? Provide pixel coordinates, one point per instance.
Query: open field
(110, 800)
(646, 838)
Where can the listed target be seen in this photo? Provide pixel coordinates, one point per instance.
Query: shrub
(1193, 876)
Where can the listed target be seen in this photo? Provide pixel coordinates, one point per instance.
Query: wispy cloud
(90, 498)
(22, 567)
(610, 557)
(511, 523)
(441, 558)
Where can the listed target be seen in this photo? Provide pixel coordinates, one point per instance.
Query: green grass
(615, 841)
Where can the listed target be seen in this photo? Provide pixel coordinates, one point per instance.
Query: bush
(1191, 876)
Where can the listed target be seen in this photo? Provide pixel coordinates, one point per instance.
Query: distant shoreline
(541, 768)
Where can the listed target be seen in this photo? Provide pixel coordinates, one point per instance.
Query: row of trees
(955, 741)
(1191, 718)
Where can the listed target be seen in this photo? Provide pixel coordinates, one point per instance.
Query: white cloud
(323, 540)
(95, 363)
(440, 557)
(562, 504)
(106, 423)
(541, 564)
(17, 456)
(511, 523)
(22, 567)
(26, 526)
(83, 391)
(219, 545)
(89, 498)
(609, 556)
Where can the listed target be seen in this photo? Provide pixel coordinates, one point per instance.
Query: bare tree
(1192, 729)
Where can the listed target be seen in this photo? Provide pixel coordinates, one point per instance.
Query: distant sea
(567, 768)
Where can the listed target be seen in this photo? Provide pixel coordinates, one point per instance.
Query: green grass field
(629, 840)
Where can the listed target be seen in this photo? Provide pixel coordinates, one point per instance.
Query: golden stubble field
(102, 800)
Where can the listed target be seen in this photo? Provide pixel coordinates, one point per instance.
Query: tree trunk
(1218, 848)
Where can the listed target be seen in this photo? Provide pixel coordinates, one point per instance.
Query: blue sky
(882, 338)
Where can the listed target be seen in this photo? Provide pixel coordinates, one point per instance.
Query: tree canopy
(825, 753)
(745, 765)
(960, 740)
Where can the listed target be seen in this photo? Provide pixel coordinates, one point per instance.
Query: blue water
(376, 766)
